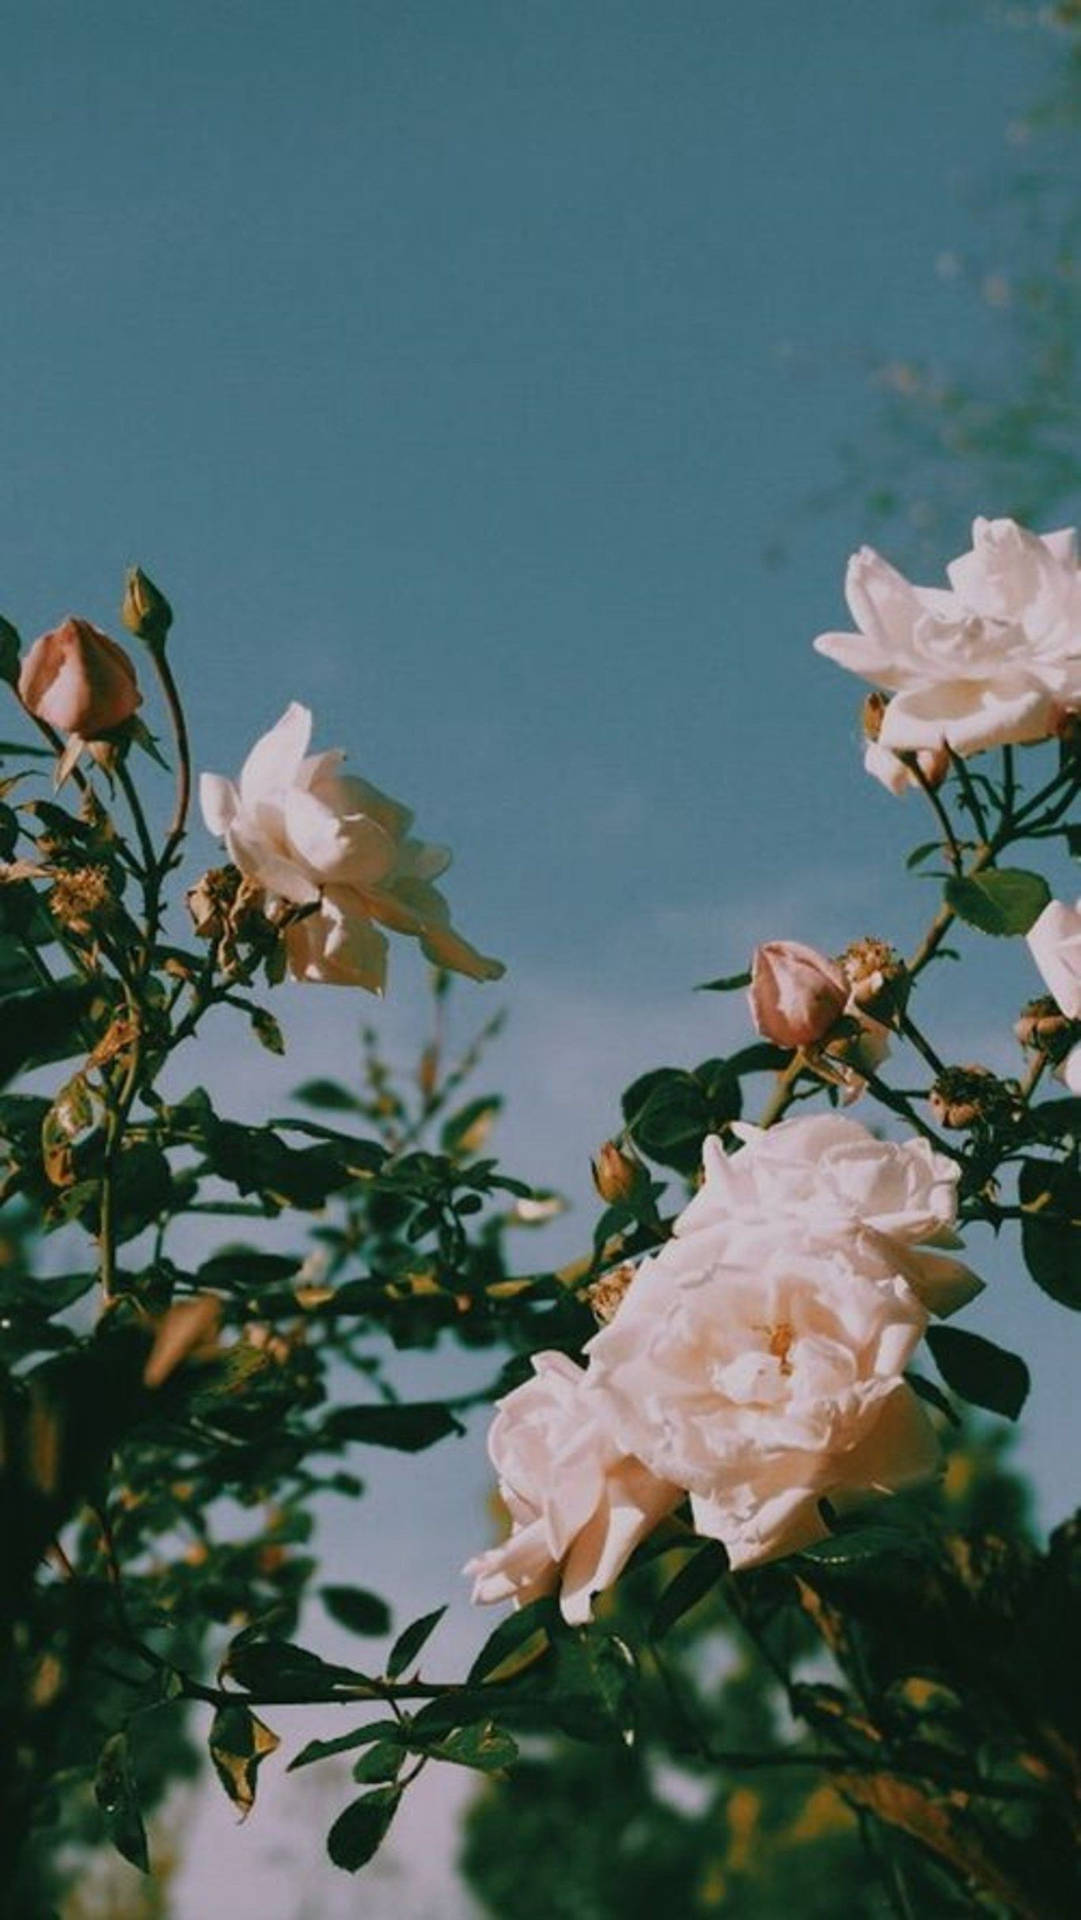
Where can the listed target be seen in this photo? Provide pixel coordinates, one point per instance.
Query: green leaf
(982, 1373)
(728, 983)
(486, 1747)
(326, 1094)
(512, 1637)
(357, 1609)
(267, 1030)
(466, 1131)
(934, 1396)
(1051, 1235)
(382, 1762)
(358, 1832)
(409, 1429)
(410, 1641)
(239, 1743)
(116, 1795)
(696, 1577)
(287, 1671)
(377, 1730)
(40, 1026)
(852, 1546)
(922, 852)
(669, 1112)
(1004, 901)
(244, 1270)
(760, 1057)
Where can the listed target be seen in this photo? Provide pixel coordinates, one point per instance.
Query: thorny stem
(784, 1092)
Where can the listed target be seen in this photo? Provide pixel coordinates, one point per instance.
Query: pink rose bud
(79, 681)
(796, 994)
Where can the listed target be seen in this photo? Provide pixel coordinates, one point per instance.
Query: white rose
(1055, 942)
(764, 1388)
(318, 838)
(578, 1505)
(992, 660)
(828, 1181)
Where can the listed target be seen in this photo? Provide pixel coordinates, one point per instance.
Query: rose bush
(333, 846)
(750, 1386)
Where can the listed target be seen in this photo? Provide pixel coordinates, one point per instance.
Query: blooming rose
(1055, 942)
(578, 1505)
(319, 839)
(763, 1386)
(827, 1181)
(993, 659)
(79, 681)
(890, 770)
(796, 994)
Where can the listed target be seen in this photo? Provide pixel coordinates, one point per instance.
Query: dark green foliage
(987, 1375)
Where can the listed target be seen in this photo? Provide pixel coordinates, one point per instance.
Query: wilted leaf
(239, 1743)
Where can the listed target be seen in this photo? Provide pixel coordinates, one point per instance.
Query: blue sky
(462, 371)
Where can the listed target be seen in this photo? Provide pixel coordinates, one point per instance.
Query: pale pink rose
(796, 994)
(890, 770)
(764, 1387)
(992, 660)
(79, 681)
(578, 1504)
(314, 837)
(887, 1206)
(1055, 943)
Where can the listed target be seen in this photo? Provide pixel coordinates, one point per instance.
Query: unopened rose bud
(617, 1175)
(146, 612)
(79, 681)
(1043, 1026)
(877, 979)
(796, 994)
(964, 1097)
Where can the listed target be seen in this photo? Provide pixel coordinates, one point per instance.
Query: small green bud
(145, 612)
